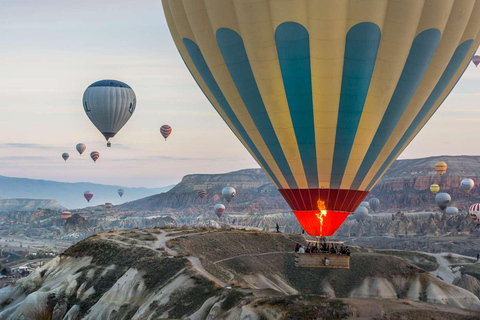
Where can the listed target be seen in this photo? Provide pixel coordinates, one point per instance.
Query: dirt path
(251, 255)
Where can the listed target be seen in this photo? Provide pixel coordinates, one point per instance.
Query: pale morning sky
(51, 50)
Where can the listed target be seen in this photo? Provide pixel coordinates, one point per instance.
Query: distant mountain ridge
(9, 205)
(70, 195)
(404, 186)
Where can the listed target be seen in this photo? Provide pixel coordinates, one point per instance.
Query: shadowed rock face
(77, 223)
(469, 283)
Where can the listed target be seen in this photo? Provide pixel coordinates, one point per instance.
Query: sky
(52, 50)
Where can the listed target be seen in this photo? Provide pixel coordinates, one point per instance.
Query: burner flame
(322, 214)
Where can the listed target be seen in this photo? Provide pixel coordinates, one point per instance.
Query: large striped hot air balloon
(440, 167)
(88, 195)
(95, 155)
(165, 131)
(81, 148)
(109, 104)
(476, 60)
(325, 95)
(65, 156)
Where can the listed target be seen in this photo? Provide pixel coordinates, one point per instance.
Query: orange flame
(322, 214)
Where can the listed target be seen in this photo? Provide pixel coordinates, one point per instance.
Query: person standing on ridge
(278, 227)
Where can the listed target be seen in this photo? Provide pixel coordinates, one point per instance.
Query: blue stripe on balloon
(452, 68)
(293, 48)
(421, 53)
(202, 68)
(235, 56)
(361, 49)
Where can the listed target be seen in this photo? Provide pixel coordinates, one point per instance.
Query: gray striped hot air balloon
(121, 192)
(361, 213)
(374, 203)
(109, 104)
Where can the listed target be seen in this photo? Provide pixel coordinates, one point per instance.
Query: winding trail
(251, 255)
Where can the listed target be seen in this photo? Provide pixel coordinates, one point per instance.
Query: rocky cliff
(226, 274)
(77, 223)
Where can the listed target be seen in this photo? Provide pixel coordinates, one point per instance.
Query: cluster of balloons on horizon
(228, 193)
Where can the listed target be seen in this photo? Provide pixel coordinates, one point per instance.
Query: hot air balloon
(65, 215)
(443, 200)
(374, 204)
(434, 188)
(219, 209)
(228, 193)
(95, 155)
(324, 94)
(98, 209)
(476, 60)
(88, 195)
(474, 212)
(467, 185)
(65, 156)
(81, 148)
(451, 211)
(361, 213)
(109, 104)
(441, 167)
(365, 204)
(121, 192)
(202, 193)
(165, 130)
(108, 205)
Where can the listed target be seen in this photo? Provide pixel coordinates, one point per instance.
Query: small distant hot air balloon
(94, 155)
(476, 60)
(81, 148)
(121, 192)
(467, 185)
(361, 213)
(109, 104)
(441, 167)
(443, 200)
(219, 209)
(374, 204)
(88, 195)
(474, 212)
(165, 130)
(202, 193)
(434, 188)
(98, 209)
(65, 156)
(228, 193)
(65, 215)
(451, 211)
(108, 205)
(365, 204)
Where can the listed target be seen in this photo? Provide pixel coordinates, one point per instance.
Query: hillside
(229, 274)
(9, 205)
(404, 186)
(70, 195)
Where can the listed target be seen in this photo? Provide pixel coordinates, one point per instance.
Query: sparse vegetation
(231, 299)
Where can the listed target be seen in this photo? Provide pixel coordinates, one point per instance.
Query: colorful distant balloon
(202, 193)
(65, 215)
(374, 204)
(451, 211)
(467, 184)
(108, 205)
(81, 148)
(109, 104)
(441, 167)
(228, 193)
(88, 195)
(476, 60)
(324, 94)
(443, 200)
(121, 192)
(474, 212)
(65, 156)
(219, 209)
(165, 130)
(434, 188)
(95, 155)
